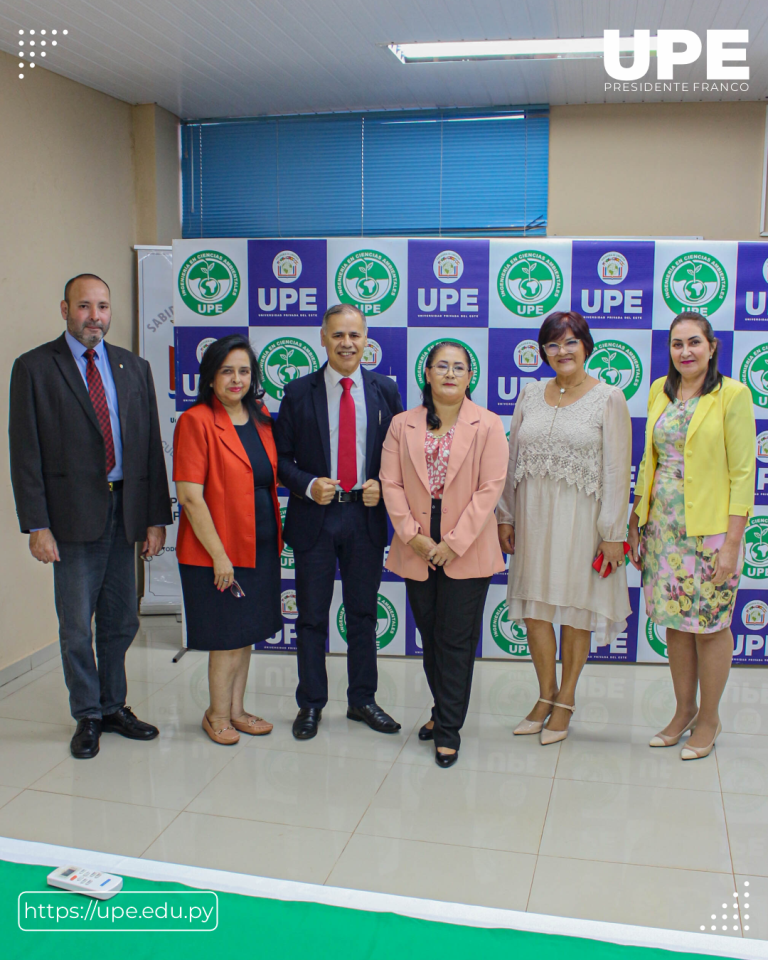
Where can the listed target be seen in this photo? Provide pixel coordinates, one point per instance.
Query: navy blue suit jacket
(303, 439)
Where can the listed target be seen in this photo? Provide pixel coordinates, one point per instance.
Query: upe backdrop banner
(492, 296)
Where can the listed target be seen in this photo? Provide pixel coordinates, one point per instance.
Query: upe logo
(530, 283)
(288, 606)
(762, 447)
(386, 622)
(372, 355)
(448, 266)
(286, 557)
(667, 57)
(527, 355)
(283, 360)
(422, 359)
(755, 614)
(756, 552)
(655, 640)
(617, 364)
(694, 281)
(202, 347)
(509, 635)
(287, 266)
(754, 373)
(368, 280)
(209, 282)
(612, 267)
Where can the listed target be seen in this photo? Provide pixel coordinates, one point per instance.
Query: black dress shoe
(305, 724)
(446, 759)
(124, 722)
(426, 733)
(85, 743)
(374, 716)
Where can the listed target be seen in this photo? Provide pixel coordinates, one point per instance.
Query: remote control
(90, 882)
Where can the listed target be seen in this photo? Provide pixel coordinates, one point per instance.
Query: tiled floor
(600, 826)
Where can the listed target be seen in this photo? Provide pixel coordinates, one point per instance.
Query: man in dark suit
(329, 434)
(88, 475)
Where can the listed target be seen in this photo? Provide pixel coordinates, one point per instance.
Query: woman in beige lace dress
(565, 501)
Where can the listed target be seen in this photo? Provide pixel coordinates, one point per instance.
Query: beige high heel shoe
(697, 753)
(660, 740)
(532, 726)
(553, 736)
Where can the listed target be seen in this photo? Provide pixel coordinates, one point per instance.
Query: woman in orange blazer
(443, 469)
(229, 540)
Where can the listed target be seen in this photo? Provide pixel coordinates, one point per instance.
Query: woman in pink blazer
(443, 468)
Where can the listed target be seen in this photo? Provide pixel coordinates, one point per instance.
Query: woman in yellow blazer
(695, 490)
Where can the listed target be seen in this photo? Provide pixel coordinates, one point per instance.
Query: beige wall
(68, 200)
(657, 169)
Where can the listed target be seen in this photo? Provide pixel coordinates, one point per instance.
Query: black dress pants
(344, 537)
(449, 616)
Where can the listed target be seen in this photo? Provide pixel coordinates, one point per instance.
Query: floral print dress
(678, 569)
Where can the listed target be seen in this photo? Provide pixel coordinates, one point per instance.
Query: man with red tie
(329, 434)
(88, 474)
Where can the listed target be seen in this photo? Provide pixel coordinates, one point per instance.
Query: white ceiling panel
(219, 58)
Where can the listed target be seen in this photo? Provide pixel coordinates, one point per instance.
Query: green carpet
(254, 927)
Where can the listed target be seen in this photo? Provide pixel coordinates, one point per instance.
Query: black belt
(344, 496)
(115, 485)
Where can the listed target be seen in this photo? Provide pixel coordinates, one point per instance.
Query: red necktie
(99, 401)
(347, 438)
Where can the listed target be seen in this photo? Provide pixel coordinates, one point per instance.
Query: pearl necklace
(560, 400)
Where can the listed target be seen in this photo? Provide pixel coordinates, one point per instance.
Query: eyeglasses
(236, 590)
(570, 346)
(442, 368)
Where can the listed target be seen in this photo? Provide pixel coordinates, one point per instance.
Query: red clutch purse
(598, 561)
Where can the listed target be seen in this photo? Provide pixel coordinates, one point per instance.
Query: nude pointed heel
(698, 753)
(532, 726)
(662, 741)
(554, 736)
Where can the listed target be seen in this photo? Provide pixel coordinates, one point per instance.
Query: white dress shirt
(334, 391)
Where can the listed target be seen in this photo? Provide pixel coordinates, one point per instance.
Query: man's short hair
(83, 276)
(343, 308)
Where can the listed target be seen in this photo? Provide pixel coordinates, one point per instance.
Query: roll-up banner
(492, 295)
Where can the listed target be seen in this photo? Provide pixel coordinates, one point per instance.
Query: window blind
(376, 174)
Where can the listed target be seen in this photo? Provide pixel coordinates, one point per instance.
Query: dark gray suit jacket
(58, 459)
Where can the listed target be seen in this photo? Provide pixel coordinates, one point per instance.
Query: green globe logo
(655, 641)
(283, 360)
(386, 622)
(756, 549)
(615, 363)
(286, 557)
(368, 280)
(754, 373)
(421, 361)
(694, 281)
(530, 283)
(209, 282)
(510, 636)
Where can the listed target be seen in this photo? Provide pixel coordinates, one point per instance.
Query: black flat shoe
(305, 724)
(85, 743)
(374, 716)
(426, 733)
(124, 722)
(446, 759)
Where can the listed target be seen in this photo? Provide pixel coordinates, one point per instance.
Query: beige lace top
(587, 444)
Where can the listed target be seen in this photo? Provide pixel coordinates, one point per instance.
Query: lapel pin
(121, 366)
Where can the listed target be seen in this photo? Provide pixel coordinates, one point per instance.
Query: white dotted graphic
(735, 916)
(31, 54)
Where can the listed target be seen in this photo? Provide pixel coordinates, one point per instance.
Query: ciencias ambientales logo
(676, 48)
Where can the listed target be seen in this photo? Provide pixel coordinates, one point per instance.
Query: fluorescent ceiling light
(584, 48)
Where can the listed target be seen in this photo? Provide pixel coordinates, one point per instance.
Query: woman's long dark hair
(433, 421)
(213, 361)
(713, 378)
